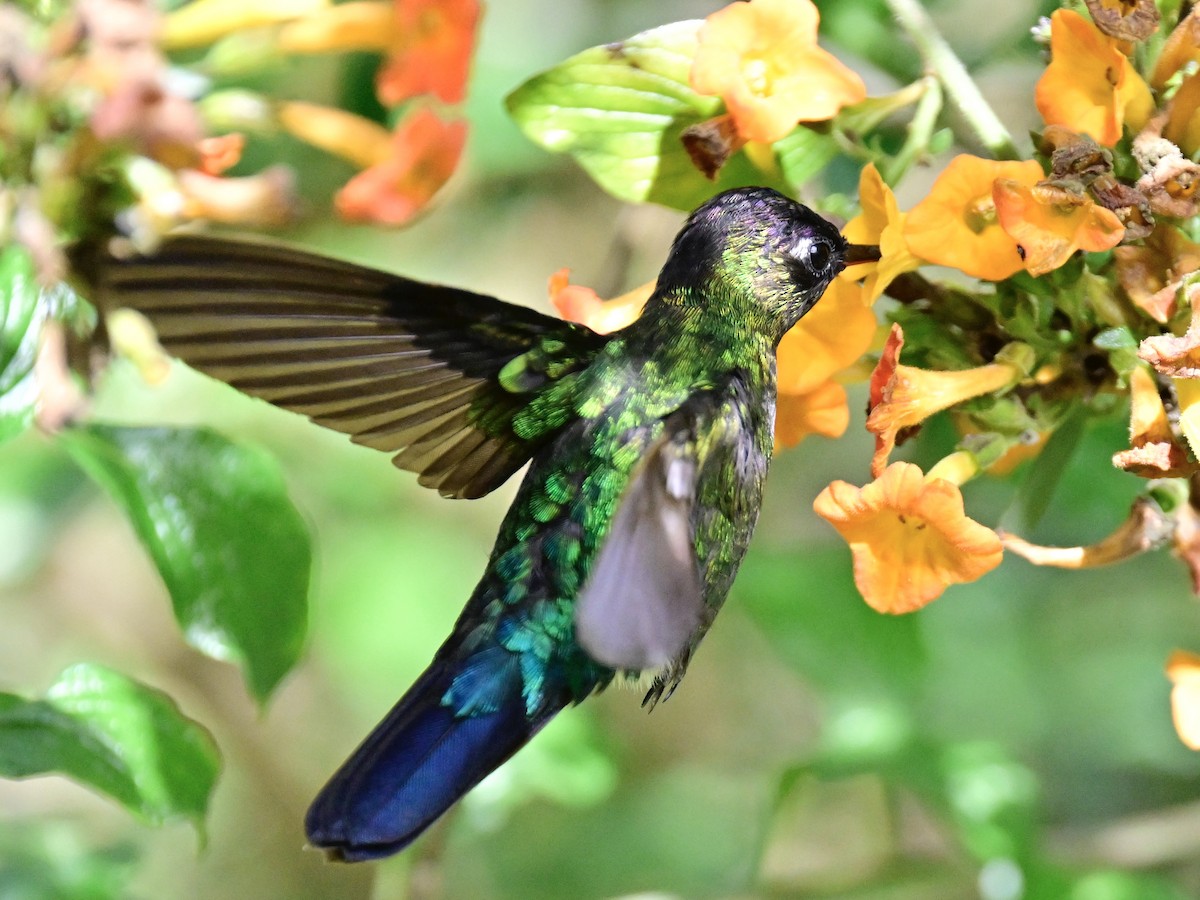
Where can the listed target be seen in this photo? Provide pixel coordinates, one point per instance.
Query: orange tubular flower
(424, 154)
(1090, 86)
(903, 396)
(882, 223)
(1050, 223)
(358, 25)
(355, 139)
(1183, 669)
(205, 21)
(577, 303)
(762, 59)
(956, 225)
(432, 54)
(831, 337)
(909, 537)
(823, 411)
(1183, 125)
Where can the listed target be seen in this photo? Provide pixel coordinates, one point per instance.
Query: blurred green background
(1011, 740)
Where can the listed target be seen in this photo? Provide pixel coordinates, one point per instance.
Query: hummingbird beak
(861, 253)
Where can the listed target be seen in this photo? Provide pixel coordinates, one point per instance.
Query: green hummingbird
(647, 451)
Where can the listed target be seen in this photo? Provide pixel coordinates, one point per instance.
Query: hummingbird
(647, 451)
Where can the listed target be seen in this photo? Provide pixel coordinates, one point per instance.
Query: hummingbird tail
(415, 764)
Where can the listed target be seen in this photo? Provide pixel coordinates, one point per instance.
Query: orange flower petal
(762, 59)
(1183, 125)
(435, 39)
(823, 411)
(909, 537)
(425, 153)
(577, 303)
(830, 337)
(357, 25)
(1183, 669)
(1090, 86)
(1181, 47)
(903, 396)
(882, 223)
(956, 224)
(1049, 223)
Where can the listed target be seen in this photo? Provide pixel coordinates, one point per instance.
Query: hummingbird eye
(815, 254)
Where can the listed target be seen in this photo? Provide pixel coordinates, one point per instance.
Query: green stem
(957, 82)
(920, 132)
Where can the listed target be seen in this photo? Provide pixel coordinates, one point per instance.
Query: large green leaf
(21, 319)
(113, 734)
(619, 110)
(216, 519)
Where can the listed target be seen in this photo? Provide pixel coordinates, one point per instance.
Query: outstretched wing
(678, 534)
(399, 365)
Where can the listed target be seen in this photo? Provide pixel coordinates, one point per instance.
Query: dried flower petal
(1153, 273)
(1125, 20)
(1050, 223)
(1145, 528)
(1176, 356)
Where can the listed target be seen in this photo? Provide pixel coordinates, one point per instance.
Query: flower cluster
(119, 139)
(1080, 290)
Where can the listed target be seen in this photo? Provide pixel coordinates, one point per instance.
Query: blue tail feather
(416, 763)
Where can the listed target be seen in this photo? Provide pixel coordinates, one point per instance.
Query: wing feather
(405, 367)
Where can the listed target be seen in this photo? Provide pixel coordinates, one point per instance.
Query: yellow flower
(357, 25)
(957, 226)
(822, 410)
(352, 137)
(1181, 47)
(882, 223)
(1090, 86)
(1183, 669)
(830, 337)
(1183, 124)
(577, 303)
(762, 59)
(909, 537)
(204, 21)
(1050, 223)
(904, 397)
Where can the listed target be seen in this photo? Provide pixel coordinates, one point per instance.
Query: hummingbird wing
(406, 367)
(645, 600)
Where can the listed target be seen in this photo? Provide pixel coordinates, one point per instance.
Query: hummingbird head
(764, 258)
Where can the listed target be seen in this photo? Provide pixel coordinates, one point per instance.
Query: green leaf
(21, 318)
(619, 110)
(115, 735)
(216, 519)
(804, 153)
